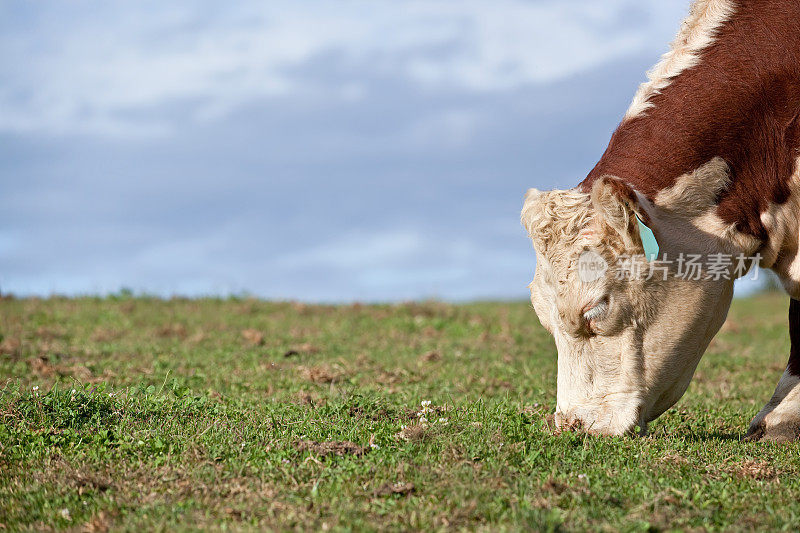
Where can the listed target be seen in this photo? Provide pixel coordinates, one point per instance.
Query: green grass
(244, 414)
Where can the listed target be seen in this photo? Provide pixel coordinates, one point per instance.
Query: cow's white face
(627, 348)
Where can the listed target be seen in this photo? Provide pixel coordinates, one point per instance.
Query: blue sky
(316, 150)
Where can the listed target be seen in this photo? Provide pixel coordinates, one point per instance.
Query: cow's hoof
(784, 431)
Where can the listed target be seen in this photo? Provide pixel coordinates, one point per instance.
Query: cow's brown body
(741, 103)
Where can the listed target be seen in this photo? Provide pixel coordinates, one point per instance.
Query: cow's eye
(596, 310)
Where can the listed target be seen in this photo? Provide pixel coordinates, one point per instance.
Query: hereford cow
(703, 164)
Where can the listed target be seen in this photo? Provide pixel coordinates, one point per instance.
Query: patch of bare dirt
(414, 432)
(430, 357)
(556, 487)
(175, 331)
(302, 349)
(753, 469)
(82, 374)
(101, 334)
(553, 487)
(356, 411)
(253, 337)
(41, 367)
(326, 448)
(674, 459)
(309, 399)
(396, 376)
(99, 523)
(321, 373)
(44, 367)
(90, 482)
(197, 337)
(60, 471)
(430, 332)
(10, 346)
(402, 488)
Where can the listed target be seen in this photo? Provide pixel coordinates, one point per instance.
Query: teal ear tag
(648, 240)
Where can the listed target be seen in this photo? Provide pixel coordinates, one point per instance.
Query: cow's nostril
(567, 422)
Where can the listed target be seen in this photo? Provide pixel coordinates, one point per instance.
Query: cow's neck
(729, 89)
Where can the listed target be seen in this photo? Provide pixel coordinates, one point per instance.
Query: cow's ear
(616, 208)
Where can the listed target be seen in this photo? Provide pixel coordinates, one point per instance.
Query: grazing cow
(703, 164)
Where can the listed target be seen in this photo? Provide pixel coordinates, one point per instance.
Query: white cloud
(110, 69)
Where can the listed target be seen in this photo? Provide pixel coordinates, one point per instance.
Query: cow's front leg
(779, 420)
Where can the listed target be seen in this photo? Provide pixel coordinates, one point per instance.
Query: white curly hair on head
(560, 218)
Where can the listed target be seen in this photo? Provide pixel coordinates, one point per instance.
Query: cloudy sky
(316, 150)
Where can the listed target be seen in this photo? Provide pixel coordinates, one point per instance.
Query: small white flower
(423, 420)
(426, 403)
(65, 514)
(374, 446)
(583, 477)
(442, 421)
(35, 388)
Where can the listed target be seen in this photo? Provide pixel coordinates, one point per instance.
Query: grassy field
(137, 414)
